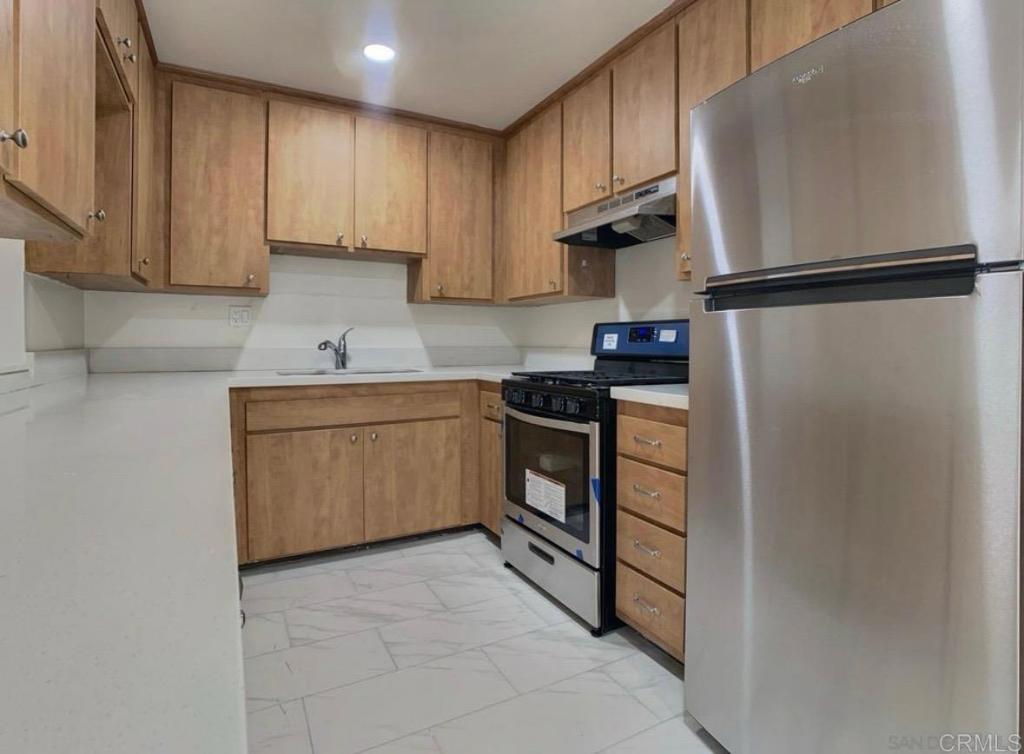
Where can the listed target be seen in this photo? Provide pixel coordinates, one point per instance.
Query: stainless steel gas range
(559, 463)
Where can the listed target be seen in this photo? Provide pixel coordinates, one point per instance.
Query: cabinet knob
(353, 438)
(341, 238)
(553, 284)
(251, 278)
(363, 240)
(145, 261)
(98, 214)
(19, 137)
(126, 41)
(685, 257)
(618, 179)
(373, 436)
(600, 186)
(131, 57)
(440, 288)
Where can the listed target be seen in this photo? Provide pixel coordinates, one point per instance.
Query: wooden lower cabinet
(491, 487)
(305, 491)
(656, 612)
(411, 478)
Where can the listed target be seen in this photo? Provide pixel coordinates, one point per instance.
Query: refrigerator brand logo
(807, 76)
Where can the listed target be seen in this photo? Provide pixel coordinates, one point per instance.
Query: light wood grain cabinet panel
(310, 175)
(412, 477)
(147, 254)
(461, 232)
(491, 492)
(305, 491)
(644, 111)
(658, 613)
(8, 113)
(587, 143)
(778, 27)
(713, 39)
(391, 186)
(652, 441)
(218, 177)
(652, 550)
(56, 45)
(652, 493)
(122, 21)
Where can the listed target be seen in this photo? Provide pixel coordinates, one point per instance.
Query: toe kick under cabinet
(328, 466)
(650, 570)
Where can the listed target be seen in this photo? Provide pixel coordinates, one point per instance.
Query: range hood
(643, 215)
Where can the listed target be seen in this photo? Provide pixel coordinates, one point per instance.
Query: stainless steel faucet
(340, 350)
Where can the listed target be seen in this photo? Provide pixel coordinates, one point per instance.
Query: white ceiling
(478, 61)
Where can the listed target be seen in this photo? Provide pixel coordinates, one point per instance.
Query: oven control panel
(548, 402)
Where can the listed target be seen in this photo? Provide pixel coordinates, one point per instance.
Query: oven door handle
(580, 427)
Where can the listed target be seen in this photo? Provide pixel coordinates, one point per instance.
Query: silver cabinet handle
(251, 278)
(638, 545)
(19, 137)
(647, 441)
(363, 240)
(98, 214)
(126, 41)
(618, 179)
(493, 407)
(553, 284)
(145, 261)
(131, 57)
(341, 238)
(646, 492)
(600, 186)
(373, 436)
(644, 606)
(440, 288)
(685, 257)
(353, 438)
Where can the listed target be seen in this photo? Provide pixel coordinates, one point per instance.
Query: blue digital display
(668, 339)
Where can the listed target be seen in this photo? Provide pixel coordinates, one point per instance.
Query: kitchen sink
(314, 372)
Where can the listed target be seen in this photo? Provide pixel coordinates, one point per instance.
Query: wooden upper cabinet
(305, 491)
(147, 242)
(777, 28)
(461, 216)
(644, 111)
(55, 107)
(8, 113)
(413, 473)
(122, 21)
(587, 142)
(310, 180)
(712, 55)
(533, 261)
(218, 153)
(390, 186)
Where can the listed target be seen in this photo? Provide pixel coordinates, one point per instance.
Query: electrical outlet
(240, 316)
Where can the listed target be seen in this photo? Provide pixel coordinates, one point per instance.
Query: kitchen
(437, 553)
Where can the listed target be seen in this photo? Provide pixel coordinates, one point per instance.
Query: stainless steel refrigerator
(854, 562)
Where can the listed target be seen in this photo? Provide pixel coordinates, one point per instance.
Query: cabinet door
(587, 142)
(461, 217)
(309, 175)
(391, 186)
(644, 111)
(147, 261)
(777, 28)
(412, 478)
(56, 105)
(8, 116)
(218, 154)
(491, 495)
(544, 202)
(514, 214)
(305, 491)
(122, 20)
(712, 55)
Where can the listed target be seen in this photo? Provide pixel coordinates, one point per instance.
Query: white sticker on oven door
(611, 341)
(666, 336)
(546, 495)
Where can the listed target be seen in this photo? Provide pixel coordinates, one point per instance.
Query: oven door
(552, 474)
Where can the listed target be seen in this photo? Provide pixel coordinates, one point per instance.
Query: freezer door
(899, 132)
(854, 522)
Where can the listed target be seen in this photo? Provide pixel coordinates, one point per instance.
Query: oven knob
(537, 400)
(558, 403)
(572, 406)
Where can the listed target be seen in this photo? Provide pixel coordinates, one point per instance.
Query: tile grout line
(309, 731)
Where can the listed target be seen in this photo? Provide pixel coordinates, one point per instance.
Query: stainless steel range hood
(643, 215)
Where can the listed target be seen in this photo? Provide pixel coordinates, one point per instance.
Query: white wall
(54, 315)
(12, 305)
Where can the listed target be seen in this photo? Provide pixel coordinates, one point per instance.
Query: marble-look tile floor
(433, 646)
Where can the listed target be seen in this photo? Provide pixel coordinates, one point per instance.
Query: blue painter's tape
(595, 485)
(579, 554)
(519, 518)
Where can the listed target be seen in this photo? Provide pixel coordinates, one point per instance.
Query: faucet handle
(324, 345)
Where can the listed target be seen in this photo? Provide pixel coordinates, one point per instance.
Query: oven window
(560, 458)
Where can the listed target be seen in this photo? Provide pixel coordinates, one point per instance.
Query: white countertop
(669, 396)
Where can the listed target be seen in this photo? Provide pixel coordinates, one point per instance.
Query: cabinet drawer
(262, 416)
(653, 493)
(655, 611)
(490, 406)
(657, 552)
(663, 444)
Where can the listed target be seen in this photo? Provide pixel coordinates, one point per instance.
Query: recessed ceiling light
(380, 53)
